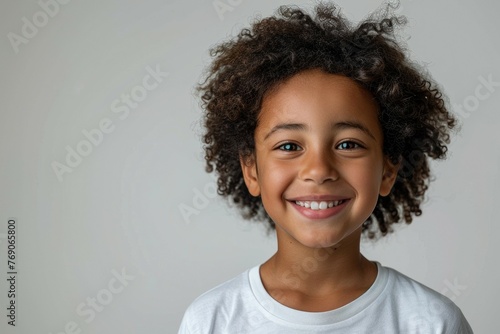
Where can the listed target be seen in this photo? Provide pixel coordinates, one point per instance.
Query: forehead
(315, 94)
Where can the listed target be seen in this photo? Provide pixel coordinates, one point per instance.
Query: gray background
(119, 209)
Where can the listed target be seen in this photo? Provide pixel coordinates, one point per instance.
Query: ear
(389, 176)
(249, 169)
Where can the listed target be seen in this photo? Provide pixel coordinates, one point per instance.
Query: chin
(321, 240)
(329, 239)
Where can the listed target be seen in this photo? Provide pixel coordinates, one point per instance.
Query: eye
(348, 145)
(289, 147)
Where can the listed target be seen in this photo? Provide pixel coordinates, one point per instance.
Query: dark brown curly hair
(413, 114)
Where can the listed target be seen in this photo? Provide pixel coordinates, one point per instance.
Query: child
(323, 130)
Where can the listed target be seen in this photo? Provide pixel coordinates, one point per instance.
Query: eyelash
(282, 146)
(350, 142)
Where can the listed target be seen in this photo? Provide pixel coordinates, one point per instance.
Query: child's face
(318, 141)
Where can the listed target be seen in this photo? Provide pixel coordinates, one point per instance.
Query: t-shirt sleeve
(454, 320)
(464, 327)
(183, 329)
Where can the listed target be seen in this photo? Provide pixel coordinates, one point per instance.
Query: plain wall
(117, 212)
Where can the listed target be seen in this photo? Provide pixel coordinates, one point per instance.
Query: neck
(320, 271)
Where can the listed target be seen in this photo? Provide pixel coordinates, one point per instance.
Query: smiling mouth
(321, 205)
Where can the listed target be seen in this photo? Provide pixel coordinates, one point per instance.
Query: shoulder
(404, 287)
(423, 306)
(228, 289)
(226, 298)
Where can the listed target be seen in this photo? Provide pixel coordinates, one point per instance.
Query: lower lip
(320, 214)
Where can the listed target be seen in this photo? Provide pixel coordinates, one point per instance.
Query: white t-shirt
(394, 304)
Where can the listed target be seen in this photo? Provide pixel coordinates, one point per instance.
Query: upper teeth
(313, 205)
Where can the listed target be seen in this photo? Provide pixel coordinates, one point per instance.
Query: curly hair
(412, 112)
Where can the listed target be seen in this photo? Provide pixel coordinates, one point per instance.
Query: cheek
(275, 179)
(366, 179)
(276, 176)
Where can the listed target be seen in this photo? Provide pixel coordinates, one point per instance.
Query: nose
(318, 166)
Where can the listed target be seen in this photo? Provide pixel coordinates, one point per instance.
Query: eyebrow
(286, 126)
(335, 126)
(352, 125)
